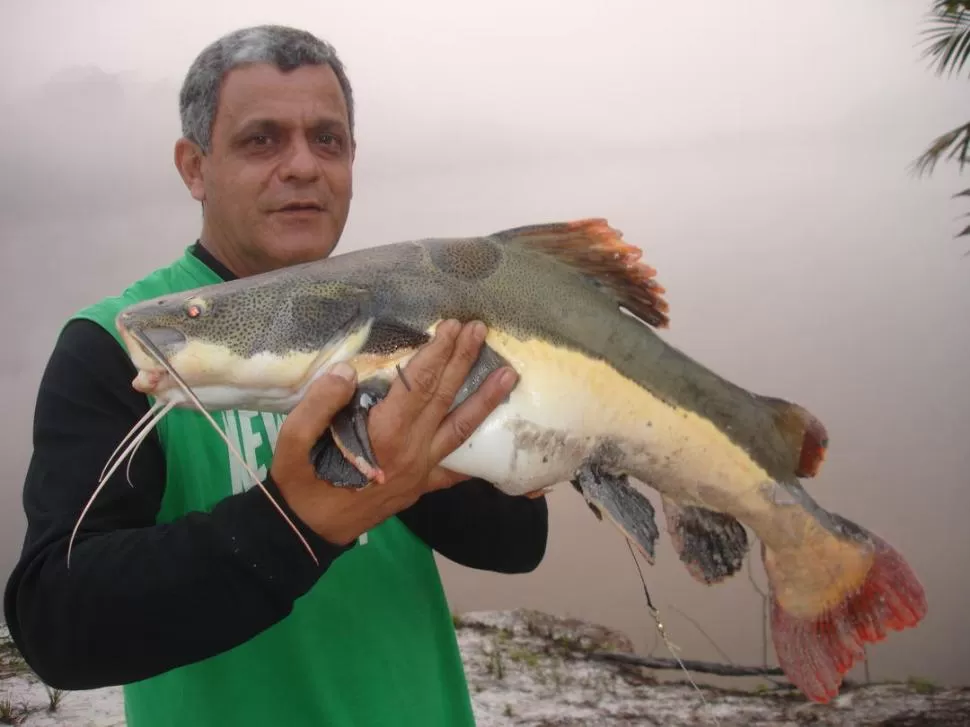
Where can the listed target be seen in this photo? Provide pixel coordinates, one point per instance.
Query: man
(188, 587)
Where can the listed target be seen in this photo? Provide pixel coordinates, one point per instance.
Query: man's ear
(188, 160)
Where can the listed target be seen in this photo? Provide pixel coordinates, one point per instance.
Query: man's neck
(226, 254)
(211, 261)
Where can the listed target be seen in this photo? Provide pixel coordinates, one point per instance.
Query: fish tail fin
(833, 594)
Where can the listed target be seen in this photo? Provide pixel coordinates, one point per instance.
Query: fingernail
(478, 331)
(508, 377)
(449, 327)
(344, 370)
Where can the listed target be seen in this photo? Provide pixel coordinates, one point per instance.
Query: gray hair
(286, 48)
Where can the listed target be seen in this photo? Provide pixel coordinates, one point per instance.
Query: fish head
(255, 343)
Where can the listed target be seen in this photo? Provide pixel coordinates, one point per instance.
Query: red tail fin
(816, 653)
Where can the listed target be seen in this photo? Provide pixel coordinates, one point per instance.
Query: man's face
(277, 181)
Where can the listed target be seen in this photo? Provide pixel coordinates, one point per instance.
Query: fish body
(601, 396)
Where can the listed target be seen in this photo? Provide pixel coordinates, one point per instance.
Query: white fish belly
(566, 405)
(495, 452)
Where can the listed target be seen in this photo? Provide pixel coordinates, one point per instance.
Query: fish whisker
(139, 441)
(159, 411)
(131, 432)
(153, 351)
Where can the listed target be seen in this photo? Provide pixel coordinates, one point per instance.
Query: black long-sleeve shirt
(141, 598)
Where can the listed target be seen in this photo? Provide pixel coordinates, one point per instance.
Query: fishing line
(187, 390)
(671, 647)
(404, 380)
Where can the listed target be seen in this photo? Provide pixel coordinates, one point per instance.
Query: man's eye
(259, 141)
(328, 139)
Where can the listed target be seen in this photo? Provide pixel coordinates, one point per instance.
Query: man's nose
(300, 163)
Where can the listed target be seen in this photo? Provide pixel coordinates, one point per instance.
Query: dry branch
(704, 667)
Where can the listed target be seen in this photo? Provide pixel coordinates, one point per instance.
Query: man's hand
(411, 431)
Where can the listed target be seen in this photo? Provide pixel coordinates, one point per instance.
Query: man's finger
(460, 424)
(466, 350)
(408, 396)
(326, 396)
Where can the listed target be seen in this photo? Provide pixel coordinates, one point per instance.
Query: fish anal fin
(594, 249)
(807, 437)
(626, 507)
(712, 545)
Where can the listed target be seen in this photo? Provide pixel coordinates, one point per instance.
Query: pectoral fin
(488, 361)
(351, 442)
(331, 465)
(344, 456)
(623, 504)
(711, 544)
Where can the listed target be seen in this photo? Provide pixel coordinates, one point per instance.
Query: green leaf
(948, 35)
(955, 141)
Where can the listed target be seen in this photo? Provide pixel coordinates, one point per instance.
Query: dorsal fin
(806, 435)
(596, 250)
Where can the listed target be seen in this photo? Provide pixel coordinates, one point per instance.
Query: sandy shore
(532, 669)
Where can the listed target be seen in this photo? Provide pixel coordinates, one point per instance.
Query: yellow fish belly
(569, 407)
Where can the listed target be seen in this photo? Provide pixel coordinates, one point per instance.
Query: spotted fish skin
(573, 311)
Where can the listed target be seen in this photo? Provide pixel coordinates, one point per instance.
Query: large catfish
(600, 397)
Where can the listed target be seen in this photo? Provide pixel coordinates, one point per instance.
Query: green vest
(371, 644)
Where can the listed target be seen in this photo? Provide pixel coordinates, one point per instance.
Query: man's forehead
(262, 91)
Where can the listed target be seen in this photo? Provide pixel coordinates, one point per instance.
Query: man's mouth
(306, 207)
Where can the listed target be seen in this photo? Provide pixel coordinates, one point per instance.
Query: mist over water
(758, 158)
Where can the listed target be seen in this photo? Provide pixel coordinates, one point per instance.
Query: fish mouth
(152, 382)
(169, 341)
(147, 346)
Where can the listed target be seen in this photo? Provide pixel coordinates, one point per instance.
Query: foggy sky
(757, 151)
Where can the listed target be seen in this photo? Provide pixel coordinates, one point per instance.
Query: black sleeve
(139, 598)
(476, 525)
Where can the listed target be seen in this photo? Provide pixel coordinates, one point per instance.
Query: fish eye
(194, 307)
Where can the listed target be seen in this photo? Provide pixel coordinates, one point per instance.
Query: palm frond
(965, 232)
(956, 141)
(948, 35)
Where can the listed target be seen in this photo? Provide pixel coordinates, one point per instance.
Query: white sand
(526, 668)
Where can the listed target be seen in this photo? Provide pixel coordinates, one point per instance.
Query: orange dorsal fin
(806, 435)
(598, 251)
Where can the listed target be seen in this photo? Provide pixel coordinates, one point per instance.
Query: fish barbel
(600, 397)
